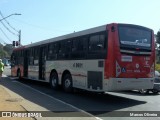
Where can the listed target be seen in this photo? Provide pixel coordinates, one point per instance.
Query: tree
(5, 51)
(8, 48)
(3, 54)
(1, 46)
(158, 37)
(158, 46)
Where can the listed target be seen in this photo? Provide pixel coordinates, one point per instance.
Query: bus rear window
(135, 36)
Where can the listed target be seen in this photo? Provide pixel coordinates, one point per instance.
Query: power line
(5, 35)
(8, 29)
(39, 27)
(8, 22)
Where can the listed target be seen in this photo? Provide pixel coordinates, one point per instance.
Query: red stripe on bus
(78, 75)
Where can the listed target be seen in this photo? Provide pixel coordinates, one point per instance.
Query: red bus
(111, 57)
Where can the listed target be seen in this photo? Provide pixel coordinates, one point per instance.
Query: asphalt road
(98, 105)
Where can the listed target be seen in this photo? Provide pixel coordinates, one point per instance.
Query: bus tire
(144, 91)
(155, 91)
(54, 80)
(67, 83)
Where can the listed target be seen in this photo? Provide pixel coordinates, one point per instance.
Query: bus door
(42, 61)
(26, 63)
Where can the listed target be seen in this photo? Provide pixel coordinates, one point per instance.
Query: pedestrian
(1, 68)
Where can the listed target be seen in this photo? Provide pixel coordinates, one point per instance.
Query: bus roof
(71, 35)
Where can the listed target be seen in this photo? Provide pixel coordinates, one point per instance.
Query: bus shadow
(93, 103)
(137, 93)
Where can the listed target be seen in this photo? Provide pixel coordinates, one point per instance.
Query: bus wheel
(144, 91)
(54, 80)
(67, 83)
(155, 91)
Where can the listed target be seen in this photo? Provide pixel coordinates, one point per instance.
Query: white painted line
(14, 81)
(80, 110)
(13, 78)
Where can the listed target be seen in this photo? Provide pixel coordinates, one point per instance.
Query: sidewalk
(9, 103)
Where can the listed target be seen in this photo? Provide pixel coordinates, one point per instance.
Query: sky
(45, 19)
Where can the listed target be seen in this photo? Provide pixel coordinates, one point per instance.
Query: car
(156, 87)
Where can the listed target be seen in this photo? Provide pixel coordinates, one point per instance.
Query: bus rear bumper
(118, 84)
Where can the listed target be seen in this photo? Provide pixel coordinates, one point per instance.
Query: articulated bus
(111, 57)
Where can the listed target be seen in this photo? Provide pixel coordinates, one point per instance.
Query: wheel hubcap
(54, 81)
(67, 83)
(143, 91)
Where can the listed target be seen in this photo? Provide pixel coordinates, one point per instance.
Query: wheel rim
(155, 91)
(54, 81)
(67, 83)
(143, 91)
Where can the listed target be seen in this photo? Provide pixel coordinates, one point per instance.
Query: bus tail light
(118, 69)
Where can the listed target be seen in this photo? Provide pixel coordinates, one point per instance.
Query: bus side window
(56, 48)
(74, 45)
(60, 50)
(84, 43)
(50, 55)
(79, 48)
(97, 45)
(68, 46)
(94, 42)
(30, 56)
(36, 53)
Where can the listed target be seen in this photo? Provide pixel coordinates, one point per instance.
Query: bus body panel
(118, 84)
(126, 71)
(81, 71)
(15, 68)
(14, 71)
(133, 67)
(134, 63)
(33, 72)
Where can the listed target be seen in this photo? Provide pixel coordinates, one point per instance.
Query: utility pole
(19, 37)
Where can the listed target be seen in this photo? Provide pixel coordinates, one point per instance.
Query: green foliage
(3, 54)
(8, 48)
(158, 37)
(5, 51)
(157, 67)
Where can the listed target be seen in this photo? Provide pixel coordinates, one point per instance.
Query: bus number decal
(77, 65)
